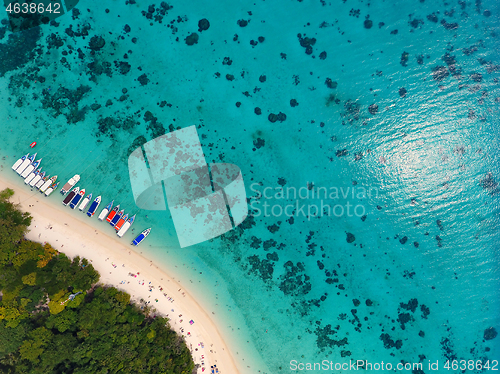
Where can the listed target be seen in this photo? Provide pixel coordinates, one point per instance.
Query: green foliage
(29, 279)
(99, 331)
(13, 225)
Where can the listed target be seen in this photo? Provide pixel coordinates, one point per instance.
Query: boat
(51, 189)
(30, 168)
(32, 175)
(48, 183)
(125, 226)
(25, 164)
(120, 222)
(85, 202)
(69, 184)
(20, 161)
(138, 240)
(105, 211)
(94, 206)
(41, 182)
(112, 214)
(70, 196)
(37, 179)
(32, 145)
(77, 198)
(116, 217)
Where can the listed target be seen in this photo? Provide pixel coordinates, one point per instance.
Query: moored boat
(41, 181)
(94, 206)
(70, 196)
(25, 164)
(19, 162)
(117, 217)
(105, 211)
(120, 222)
(48, 183)
(85, 202)
(32, 175)
(51, 189)
(112, 214)
(125, 226)
(76, 199)
(37, 178)
(138, 240)
(69, 184)
(30, 168)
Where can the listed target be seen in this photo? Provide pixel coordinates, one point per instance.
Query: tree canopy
(98, 330)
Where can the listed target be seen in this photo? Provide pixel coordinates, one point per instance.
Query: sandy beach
(126, 270)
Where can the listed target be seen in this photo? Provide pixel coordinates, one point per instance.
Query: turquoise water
(284, 289)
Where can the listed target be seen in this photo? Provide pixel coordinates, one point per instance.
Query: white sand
(115, 260)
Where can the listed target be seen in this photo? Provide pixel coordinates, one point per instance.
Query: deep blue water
(409, 272)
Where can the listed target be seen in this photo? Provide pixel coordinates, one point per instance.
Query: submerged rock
(192, 39)
(350, 237)
(203, 24)
(490, 333)
(96, 43)
(330, 84)
(143, 79)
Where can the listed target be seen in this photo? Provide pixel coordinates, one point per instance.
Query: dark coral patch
(192, 39)
(203, 24)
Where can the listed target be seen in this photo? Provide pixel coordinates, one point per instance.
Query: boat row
(33, 176)
(31, 171)
(114, 216)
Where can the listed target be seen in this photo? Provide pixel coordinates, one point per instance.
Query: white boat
(85, 202)
(105, 211)
(51, 189)
(48, 183)
(30, 168)
(37, 179)
(42, 181)
(25, 164)
(20, 161)
(31, 176)
(69, 185)
(125, 227)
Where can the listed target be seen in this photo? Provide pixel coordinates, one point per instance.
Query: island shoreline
(123, 268)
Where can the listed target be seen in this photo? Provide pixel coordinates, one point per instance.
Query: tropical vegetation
(55, 318)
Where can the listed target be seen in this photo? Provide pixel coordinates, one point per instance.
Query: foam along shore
(126, 270)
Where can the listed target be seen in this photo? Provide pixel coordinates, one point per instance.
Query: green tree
(30, 279)
(32, 348)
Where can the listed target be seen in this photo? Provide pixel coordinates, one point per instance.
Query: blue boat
(94, 206)
(116, 218)
(141, 237)
(77, 198)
